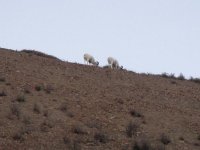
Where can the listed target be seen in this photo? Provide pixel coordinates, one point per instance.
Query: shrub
(141, 145)
(196, 80)
(165, 139)
(37, 108)
(131, 129)
(38, 87)
(101, 137)
(48, 89)
(2, 93)
(15, 110)
(20, 98)
(79, 130)
(181, 77)
(2, 79)
(198, 137)
(26, 120)
(135, 113)
(63, 107)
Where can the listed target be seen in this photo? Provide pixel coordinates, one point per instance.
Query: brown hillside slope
(46, 103)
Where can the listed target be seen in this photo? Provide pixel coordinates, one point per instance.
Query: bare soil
(46, 103)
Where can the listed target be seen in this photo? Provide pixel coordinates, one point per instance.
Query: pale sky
(153, 36)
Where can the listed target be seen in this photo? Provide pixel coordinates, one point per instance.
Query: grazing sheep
(114, 63)
(90, 60)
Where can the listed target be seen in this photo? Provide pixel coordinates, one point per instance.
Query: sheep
(113, 63)
(90, 59)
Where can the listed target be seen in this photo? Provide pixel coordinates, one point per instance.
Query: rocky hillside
(46, 103)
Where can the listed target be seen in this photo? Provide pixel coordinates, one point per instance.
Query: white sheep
(90, 59)
(113, 63)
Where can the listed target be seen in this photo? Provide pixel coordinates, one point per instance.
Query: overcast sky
(152, 36)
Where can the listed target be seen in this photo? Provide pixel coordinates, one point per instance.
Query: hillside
(46, 103)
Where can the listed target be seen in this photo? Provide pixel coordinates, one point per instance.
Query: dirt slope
(46, 103)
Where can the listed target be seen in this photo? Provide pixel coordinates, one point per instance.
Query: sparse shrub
(2, 79)
(27, 91)
(78, 129)
(134, 113)
(173, 82)
(46, 113)
(66, 140)
(172, 75)
(46, 125)
(21, 98)
(26, 120)
(164, 75)
(63, 107)
(181, 77)
(15, 110)
(48, 89)
(165, 139)
(2, 93)
(198, 137)
(181, 138)
(131, 129)
(141, 145)
(196, 80)
(8, 84)
(38, 87)
(37, 108)
(101, 137)
(18, 136)
(70, 114)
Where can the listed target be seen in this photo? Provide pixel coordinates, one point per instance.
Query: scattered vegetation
(2, 79)
(166, 75)
(34, 52)
(78, 129)
(38, 87)
(101, 137)
(198, 137)
(46, 125)
(21, 98)
(165, 139)
(37, 108)
(196, 80)
(141, 145)
(134, 113)
(48, 89)
(131, 129)
(181, 138)
(26, 120)
(72, 144)
(181, 77)
(63, 107)
(19, 135)
(2, 93)
(15, 110)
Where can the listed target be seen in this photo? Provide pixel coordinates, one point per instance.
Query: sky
(145, 36)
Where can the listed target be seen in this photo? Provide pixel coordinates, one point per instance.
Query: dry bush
(165, 139)
(37, 53)
(48, 89)
(20, 98)
(131, 129)
(2, 93)
(101, 137)
(141, 145)
(78, 129)
(14, 111)
(26, 120)
(2, 79)
(37, 108)
(134, 113)
(46, 125)
(38, 87)
(181, 77)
